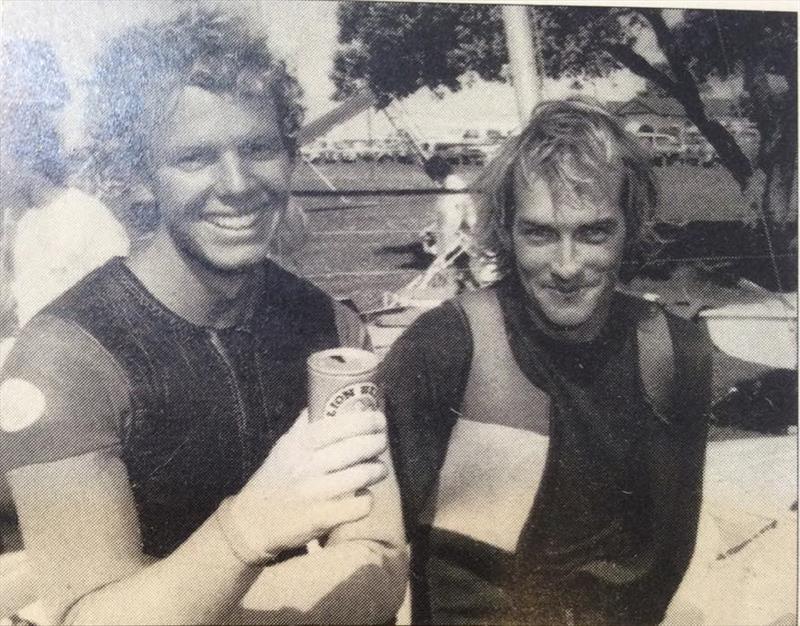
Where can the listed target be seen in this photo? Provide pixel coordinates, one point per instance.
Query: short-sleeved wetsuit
(578, 505)
(107, 372)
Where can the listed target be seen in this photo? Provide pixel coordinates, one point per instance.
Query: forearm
(82, 538)
(359, 577)
(353, 582)
(200, 583)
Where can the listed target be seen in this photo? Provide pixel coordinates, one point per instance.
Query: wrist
(235, 539)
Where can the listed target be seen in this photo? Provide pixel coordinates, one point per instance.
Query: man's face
(567, 257)
(221, 177)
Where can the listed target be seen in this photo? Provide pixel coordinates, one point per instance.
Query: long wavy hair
(579, 149)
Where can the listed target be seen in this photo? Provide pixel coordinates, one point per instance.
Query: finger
(352, 451)
(331, 430)
(349, 480)
(346, 509)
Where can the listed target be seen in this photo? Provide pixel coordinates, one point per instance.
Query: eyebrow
(604, 222)
(213, 145)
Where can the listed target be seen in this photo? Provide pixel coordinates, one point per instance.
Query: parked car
(663, 149)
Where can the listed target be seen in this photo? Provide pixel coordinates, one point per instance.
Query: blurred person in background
(455, 212)
(452, 234)
(53, 233)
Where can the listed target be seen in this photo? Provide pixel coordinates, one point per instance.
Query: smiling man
(150, 427)
(548, 431)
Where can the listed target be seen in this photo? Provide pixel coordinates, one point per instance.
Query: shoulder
(439, 341)
(675, 359)
(687, 340)
(92, 297)
(62, 394)
(289, 291)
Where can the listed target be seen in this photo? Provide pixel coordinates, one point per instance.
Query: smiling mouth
(235, 222)
(570, 290)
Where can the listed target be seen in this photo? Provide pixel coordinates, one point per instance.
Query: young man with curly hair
(150, 427)
(549, 431)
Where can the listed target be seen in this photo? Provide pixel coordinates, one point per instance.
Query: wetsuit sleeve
(423, 379)
(62, 395)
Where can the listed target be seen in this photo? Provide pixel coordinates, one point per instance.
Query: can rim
(360, 361)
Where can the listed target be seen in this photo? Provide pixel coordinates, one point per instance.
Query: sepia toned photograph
(359, 312)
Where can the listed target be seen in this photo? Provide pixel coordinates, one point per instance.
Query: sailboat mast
(522, 54)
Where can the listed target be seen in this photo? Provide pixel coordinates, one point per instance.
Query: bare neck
(196, 293)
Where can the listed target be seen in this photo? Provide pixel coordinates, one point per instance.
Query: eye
(195, 159)
(262, 149)
(596, 233)
(537, 234)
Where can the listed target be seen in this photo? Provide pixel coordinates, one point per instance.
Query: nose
(232, 177)
(566, 265)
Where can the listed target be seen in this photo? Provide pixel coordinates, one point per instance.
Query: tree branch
(639, 65)
(684, 89)
(675, 57)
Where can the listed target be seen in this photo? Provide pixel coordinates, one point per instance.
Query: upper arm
(80, 526)
(64, 399)
(422, 380)
(62, 395)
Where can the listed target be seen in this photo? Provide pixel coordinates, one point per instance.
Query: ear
(138, 208)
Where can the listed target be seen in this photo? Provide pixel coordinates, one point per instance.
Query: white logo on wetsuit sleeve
(21, 404)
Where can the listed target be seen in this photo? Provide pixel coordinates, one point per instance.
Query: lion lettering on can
(355, 397)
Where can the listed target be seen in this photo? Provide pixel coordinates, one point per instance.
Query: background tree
(397, 48)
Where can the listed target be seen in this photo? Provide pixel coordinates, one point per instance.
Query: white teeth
(234, 222)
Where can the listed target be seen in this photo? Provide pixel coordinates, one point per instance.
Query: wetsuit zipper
(237, 392)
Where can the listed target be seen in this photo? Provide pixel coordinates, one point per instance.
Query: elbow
(376, 590)
(393, 580)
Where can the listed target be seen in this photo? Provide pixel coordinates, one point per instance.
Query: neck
(197, 293)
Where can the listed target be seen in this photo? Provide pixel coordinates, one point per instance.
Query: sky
(303, 32)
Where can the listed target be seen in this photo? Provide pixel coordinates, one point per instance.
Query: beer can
(341, 380)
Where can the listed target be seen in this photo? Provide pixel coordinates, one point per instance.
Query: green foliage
(399, 47)
(721, 42)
